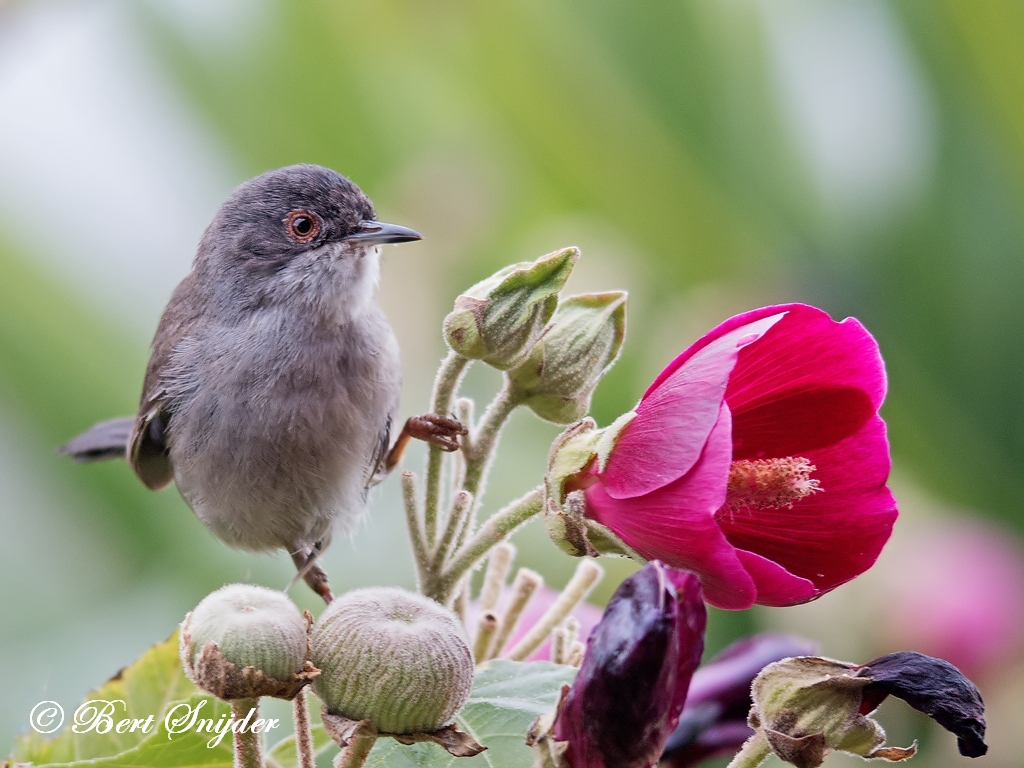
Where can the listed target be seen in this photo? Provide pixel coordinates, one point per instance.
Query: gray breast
(276, 424)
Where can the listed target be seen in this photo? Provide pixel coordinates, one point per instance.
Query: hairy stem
(413, 521)
(754, 751)
(485, 439)
(526, 583)
(445, 385)
(461, 605)
(356, 751)
(494, 531)
(461, 506)
(486, 626)
(499, 563)
(588, 573)
(303, 734)
(248, 750)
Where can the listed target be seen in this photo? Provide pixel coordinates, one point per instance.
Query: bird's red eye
(302, 226)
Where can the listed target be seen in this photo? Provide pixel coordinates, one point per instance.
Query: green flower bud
(500, 319)
(393, 658)
(563, 369)
(245, 641)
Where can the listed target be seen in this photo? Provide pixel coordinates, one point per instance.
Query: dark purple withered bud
(933, 686)
(806, 707)
(714, 719)
(627, 697)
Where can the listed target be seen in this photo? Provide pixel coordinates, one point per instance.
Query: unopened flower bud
(393, 658)
(245, 641)
(500, 319)
(561, 373)
(629, 692)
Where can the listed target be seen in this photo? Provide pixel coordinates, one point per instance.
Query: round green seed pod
(394, 658)
(252, 627)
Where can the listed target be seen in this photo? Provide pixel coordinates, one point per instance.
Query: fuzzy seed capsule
(394, 658)
(252, 627)
(245, 641)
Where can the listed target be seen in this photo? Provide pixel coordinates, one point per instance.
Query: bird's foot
(442, 431)
(311, 573)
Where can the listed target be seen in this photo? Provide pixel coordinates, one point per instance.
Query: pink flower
(757, 460)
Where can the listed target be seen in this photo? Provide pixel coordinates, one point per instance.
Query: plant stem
(559, 645)
(754, 751)
(357, 750)
(303, 734)
(447, 382)
(486, 626)
(462, 602)
(248, 750)
(499, 563)
(495, 530)
(588, 573)
(413, 521)
(525, 584)
(485, 438)
(461, 505)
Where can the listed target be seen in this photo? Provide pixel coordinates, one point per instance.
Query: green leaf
(143, 689)
(507, 697)
(188, 749)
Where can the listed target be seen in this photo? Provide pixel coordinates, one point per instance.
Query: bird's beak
(377, 232)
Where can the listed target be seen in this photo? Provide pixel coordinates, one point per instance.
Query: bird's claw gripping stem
(442, 431)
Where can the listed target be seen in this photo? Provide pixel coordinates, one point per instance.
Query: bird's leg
(305, 560)
(442, 431)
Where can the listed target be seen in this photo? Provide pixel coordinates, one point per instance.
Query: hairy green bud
(500, 319)
(393, 658)
(558, 378)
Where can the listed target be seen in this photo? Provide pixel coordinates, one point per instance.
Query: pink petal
(676, 524)
(833, 535)
(776, 585)
(737, 321)
(673, 421)
(808, 361)
(796, 422)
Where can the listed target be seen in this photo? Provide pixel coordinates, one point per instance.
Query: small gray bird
(274, 376)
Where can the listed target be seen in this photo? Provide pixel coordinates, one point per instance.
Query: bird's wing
(148, 452)
(375, 470)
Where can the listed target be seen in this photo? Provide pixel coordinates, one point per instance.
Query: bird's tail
(106, 440)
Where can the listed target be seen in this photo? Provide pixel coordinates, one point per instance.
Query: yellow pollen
(767, 483)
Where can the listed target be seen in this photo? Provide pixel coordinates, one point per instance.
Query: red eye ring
(302, 226)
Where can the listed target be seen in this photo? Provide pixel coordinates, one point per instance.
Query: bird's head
(303, 235)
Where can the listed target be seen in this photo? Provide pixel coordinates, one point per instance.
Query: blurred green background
(864, 156)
